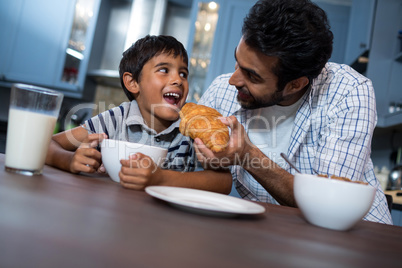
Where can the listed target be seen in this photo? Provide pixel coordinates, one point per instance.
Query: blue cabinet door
(34, 51)
(384, 70)
(10, 11)
(227, 37)
(338, 17)
(360, 29)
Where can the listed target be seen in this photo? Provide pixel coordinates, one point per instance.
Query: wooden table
(64, 220)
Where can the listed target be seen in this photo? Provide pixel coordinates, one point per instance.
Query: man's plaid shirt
(332, 132)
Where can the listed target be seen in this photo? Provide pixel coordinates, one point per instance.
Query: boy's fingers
(137, 160)
(132, 186)
(130, 163)
(97, 139)
(138, 156)
(93, 140)
(101, 169)
(97, 136)
(89, 152)
(86, 165)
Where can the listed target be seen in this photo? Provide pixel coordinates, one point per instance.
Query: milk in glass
(28, 138)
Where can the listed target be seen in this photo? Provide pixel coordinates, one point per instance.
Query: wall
(108, 97)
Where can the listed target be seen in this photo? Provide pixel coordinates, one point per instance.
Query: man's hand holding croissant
(213, 145)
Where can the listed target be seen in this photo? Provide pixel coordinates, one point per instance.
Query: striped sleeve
(108, 122)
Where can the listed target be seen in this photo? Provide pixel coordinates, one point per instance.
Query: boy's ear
(130, 83)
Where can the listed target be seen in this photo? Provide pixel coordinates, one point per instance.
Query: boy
(153, 74)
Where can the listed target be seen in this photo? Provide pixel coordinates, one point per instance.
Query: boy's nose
(175, 79)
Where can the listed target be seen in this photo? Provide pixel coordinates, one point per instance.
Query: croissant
(199, 121)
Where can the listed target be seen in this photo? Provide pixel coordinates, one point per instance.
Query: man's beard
(253, 103)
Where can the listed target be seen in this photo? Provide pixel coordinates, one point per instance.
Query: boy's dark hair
(136, 56)
(295, 31)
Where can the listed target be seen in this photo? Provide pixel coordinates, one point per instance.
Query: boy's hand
(87, 158)
(138, 172)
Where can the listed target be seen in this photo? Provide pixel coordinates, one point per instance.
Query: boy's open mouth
(172, 98)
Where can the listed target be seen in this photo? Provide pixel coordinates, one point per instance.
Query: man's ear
(296, 85)
(130, 83)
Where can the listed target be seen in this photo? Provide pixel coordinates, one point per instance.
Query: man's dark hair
(295, 31)
(144, 49)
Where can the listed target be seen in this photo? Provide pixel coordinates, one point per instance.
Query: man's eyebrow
(251, 71)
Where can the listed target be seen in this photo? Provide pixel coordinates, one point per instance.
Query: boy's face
(162, 90)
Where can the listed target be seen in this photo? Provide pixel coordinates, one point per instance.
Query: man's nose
(235, 79)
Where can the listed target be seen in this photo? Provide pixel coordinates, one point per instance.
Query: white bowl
(331, 203)
(113, 151)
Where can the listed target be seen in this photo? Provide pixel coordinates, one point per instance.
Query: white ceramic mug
(113, 151)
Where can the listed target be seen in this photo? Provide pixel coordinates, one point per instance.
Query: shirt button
(157, 139)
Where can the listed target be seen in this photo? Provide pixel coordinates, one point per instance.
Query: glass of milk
(31, 121)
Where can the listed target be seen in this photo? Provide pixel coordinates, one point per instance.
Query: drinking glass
(32, 118)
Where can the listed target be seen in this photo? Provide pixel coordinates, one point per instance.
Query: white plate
(205, 202)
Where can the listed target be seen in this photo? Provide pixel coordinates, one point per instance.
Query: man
(284, 96)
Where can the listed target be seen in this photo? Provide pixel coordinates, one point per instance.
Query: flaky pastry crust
(199, 121)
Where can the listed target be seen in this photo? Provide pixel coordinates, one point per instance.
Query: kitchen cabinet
(338, 16)
(385, 66)
(214, 35)
(46, 42)
(360, 29)
(118, 27)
